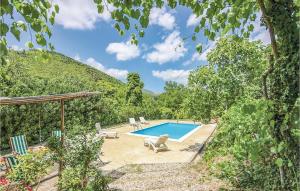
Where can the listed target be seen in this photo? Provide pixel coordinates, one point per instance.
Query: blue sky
(81, 33)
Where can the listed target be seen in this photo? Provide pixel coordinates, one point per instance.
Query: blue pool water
(174, 130)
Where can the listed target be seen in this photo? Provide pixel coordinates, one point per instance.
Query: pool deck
(130, 149)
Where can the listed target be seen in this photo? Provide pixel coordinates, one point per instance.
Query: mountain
(53, 65)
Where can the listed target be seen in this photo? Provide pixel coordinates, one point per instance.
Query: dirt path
(163, 177)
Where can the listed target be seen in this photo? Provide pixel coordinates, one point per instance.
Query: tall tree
(134, 91)
(202, 98)
(234, 70)
(172, 99)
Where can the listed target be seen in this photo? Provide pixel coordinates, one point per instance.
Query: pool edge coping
(175, 140)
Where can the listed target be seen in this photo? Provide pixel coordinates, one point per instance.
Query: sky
(161, 55)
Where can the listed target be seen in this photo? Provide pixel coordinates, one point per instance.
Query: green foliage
(71, 179)
(202, 100)
(99, 183)
(251, 156)
(27, 73)
(171, 100)
(244, 137)
(234, 70)
(31, 167)
(81, 158)
(134, 94)
(36, 14)
(284, 82)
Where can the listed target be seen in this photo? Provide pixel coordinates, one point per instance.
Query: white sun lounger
(106, 134)
(143, 121)
(157, 144)
(133, 123)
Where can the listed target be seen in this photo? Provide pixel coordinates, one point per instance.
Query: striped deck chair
(19, 145)
(56, 133)
(10, 162)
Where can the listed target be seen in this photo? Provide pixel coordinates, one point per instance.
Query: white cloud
(179, 76)
(80, 14)
(193, 20)
(77, 57)
(195, 57)
(170, 50)
(202, 56)
(16, 48)
(162, 18)
(123, 50)
(117, 73)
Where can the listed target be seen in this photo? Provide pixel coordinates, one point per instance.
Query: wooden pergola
(48, 98)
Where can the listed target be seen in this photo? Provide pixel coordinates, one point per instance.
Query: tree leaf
(100, 8)
(3, 49)
(40, 39)
(29, 44)
(197, 29)
(15, 31)
(202, 22)
(117, 27)
(250, 27)
(126, 23)
(206, 32)
(141, 33)
(36, 26)
(3, 29)
(144, 21)
(279, 162)
(51, 19)
(194, 37)
(199, 48)
(56, 8)
(135, 13)
(22, 25)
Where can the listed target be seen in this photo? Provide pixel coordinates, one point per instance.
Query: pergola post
(62, 129)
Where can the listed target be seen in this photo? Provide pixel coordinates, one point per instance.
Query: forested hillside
(57, 66)
(31, 73)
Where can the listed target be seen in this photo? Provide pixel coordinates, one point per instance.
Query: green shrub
(81, 159)
(31, 167)
(243, 142)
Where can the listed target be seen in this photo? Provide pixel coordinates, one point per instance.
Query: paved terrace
(130, 149)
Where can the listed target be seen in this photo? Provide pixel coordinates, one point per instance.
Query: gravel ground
(163, 177)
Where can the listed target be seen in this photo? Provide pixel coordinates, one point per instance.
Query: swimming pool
(176, 131)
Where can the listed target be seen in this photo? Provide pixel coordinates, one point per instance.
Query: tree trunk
(265, 76)
(270, 27)
(281, 20)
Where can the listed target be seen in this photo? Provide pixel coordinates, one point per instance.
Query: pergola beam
(43, 98)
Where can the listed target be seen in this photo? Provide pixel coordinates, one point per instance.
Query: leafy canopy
(134, 94)
(38, 16)
(234, 70)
